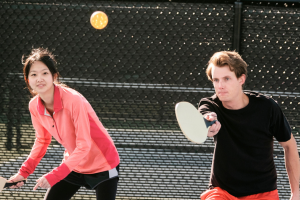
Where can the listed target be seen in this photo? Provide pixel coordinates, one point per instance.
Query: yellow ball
(99, 20)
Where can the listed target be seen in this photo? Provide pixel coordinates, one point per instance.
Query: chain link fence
(150, 56)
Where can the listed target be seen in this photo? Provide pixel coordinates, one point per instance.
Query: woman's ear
(55, 76)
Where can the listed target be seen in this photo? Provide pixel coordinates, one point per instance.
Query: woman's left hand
(42, 183)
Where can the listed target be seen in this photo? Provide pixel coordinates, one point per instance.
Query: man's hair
(227, 58)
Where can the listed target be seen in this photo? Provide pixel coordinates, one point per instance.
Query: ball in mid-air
(99, 20)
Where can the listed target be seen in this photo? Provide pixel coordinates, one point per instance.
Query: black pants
(63, 190)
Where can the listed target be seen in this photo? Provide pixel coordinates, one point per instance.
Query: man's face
(227, 85)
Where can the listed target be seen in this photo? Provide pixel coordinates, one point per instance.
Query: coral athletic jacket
(88, 147)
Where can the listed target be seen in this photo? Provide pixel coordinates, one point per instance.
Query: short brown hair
(227, 58)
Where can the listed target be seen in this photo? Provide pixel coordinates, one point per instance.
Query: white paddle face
(191, 122)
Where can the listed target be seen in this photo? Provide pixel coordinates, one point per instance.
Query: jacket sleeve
(42, 141)
(81, 122)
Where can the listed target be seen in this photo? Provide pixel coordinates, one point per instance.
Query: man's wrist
(295, 194)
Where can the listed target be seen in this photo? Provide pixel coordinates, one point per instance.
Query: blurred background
(151, 55)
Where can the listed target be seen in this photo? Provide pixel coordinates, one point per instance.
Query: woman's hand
(213, 129)
(16, 178)
(42, 183)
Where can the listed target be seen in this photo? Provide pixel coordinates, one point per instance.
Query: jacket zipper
(56, 127)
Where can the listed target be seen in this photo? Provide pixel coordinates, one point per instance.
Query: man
(243, 165)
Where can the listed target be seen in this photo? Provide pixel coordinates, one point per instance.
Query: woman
(90, 158)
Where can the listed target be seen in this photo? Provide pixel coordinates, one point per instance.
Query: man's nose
(221, 84)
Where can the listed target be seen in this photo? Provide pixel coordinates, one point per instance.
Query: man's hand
(295, 196)
(16, 178)
(42, 183)
(214, 129)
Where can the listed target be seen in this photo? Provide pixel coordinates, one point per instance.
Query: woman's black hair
(44, 56)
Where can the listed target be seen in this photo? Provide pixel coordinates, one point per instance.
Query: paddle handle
(209, 123)
(7, 185)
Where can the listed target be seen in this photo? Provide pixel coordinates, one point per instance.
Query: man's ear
(242, 79)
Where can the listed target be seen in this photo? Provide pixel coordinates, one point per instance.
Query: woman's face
(40, 78)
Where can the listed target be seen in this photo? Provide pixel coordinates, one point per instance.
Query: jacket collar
(57, 104)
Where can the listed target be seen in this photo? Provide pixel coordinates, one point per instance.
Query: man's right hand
(214, 129)
(16, 178)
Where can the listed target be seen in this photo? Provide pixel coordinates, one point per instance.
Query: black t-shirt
(243, 157)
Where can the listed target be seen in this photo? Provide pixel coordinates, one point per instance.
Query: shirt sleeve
(279, 125)
(83, 142)
(42, 141)
(205, 106)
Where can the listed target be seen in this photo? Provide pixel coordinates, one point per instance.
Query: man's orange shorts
(219, 194)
